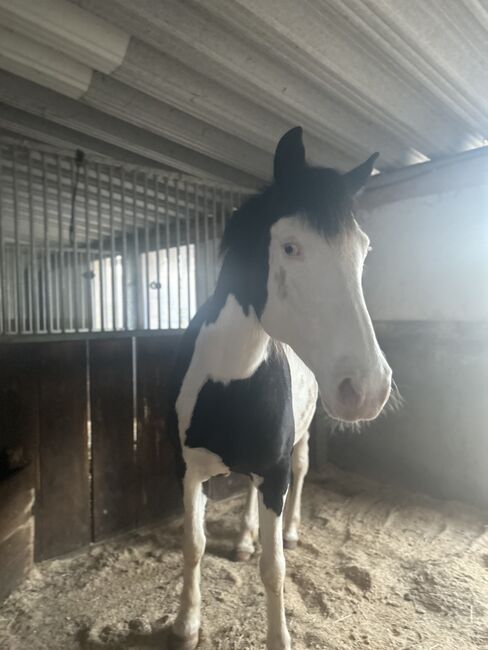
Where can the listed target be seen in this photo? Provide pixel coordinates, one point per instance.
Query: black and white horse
(287, 321)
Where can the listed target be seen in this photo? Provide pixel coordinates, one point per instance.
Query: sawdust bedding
(376, 569)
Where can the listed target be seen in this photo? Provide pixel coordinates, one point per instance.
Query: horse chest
(242, 398)
(247, 422)
(304, 393)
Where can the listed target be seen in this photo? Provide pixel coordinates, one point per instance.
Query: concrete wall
(426, 284)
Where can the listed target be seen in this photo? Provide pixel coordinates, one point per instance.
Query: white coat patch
(232, 347)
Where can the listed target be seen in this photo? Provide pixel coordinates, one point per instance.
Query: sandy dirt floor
(376, 568)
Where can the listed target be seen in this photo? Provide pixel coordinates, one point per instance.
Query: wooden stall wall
(19, 423)
(83, 445)
(114, 458)
(62, 508)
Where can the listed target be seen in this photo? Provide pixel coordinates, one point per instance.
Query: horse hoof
(176, 642)
(290, 544)
(242, 556)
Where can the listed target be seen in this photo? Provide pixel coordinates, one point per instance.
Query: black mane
(318, 195)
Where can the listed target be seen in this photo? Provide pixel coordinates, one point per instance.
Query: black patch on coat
(249, 424)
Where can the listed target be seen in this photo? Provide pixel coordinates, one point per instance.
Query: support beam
(66, 112)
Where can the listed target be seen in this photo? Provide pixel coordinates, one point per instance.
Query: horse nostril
(348, 395)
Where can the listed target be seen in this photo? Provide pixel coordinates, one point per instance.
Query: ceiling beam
(60, 110)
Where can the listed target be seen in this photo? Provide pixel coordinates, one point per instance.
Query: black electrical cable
(79, 160)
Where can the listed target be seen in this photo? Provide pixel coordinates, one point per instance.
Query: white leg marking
(272, 568)
(249, 525)
(187, 622)
(293, 503)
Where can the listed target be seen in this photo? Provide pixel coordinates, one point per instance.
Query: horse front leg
(300, 464)
(272, 568)
(248, 535)
(187, 624)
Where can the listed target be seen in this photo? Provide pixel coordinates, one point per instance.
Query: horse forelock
(318, 195)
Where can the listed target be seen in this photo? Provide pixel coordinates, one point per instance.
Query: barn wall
(426, 284)
(84, 449)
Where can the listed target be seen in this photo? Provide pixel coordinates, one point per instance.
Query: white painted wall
(430, 253)
(427, 281)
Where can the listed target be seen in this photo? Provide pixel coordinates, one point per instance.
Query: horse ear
(289, 156)
(357, 177)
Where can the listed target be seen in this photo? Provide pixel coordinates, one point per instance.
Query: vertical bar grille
(127, 251)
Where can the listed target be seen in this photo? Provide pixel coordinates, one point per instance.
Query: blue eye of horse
(290, 249)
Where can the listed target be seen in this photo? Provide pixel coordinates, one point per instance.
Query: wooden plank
(19, 410)
(63, 521)
(18, 461)
(16, 557)
(16, 532)
(16, 501)
(115, 487)
(159, 493)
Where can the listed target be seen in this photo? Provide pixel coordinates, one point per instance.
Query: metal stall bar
(205, 226)
(3, 296)
(197, 237)
(178, 252)
(76, 274)
(222, 211)
(18, 327)
(187, 232)
(88, 272)
(136, 254)
(112, 249)
(146, 258)
(124, 252)
(100, 250)
(168, 266)
(61, 310)
(33, 294)
(214, 235)
(48, 307)
(158, 246)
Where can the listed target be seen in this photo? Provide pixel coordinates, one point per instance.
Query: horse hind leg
(248, 534)
(292, 517)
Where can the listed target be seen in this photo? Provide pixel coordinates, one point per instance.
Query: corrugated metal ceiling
(207, 88)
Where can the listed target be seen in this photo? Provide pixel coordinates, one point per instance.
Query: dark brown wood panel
(115, 485)
(159, 493)
(19, 410)
(16, 553)
(16, 531)
(16, 501)
(18, 461)
(63, 521)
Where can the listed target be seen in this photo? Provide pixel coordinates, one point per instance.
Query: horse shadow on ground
(220, 543)
(161, 638)
(221, 540)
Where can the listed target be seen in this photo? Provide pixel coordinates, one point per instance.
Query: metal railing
(92, 247)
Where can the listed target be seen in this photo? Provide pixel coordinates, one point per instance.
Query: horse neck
(236, 342)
